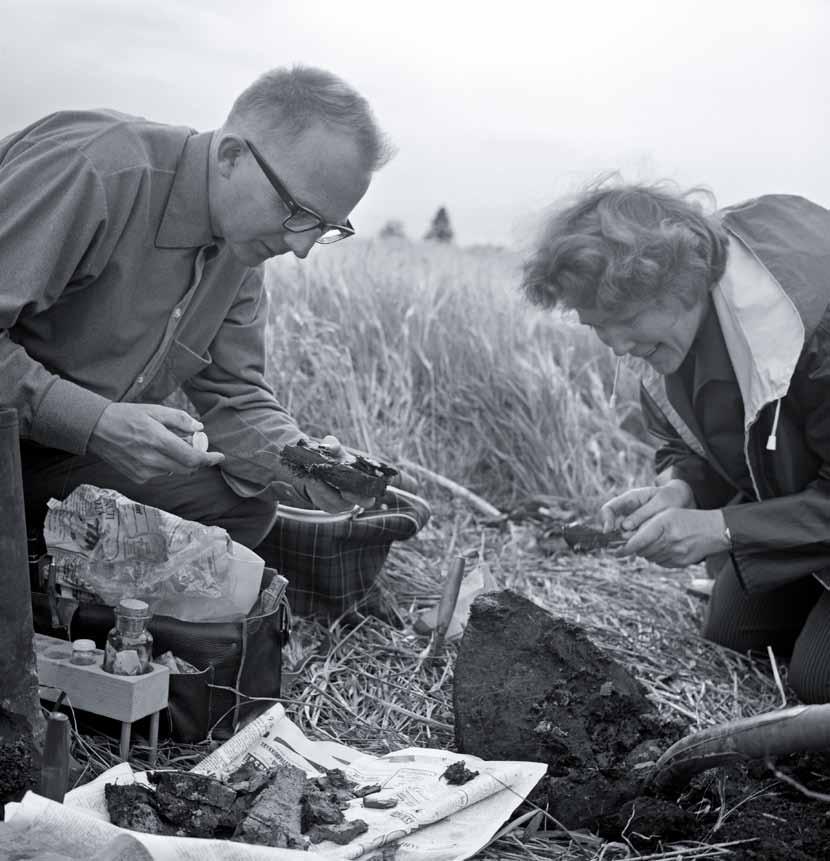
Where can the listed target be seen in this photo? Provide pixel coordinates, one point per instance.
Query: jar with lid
(83, 653)
(129, 644)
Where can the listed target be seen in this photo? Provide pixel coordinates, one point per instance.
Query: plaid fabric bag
(332, 560)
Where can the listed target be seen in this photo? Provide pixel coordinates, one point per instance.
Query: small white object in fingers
(199, 441)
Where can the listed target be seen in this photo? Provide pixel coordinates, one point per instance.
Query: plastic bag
(106, 547)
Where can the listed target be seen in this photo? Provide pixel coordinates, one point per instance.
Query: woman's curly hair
(618, 245)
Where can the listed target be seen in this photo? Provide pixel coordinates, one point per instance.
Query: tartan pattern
(332, 562)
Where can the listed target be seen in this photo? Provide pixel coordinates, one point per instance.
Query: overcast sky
(495, 113)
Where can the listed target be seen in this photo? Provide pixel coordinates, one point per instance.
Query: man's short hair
(617, 245)
(292, 100)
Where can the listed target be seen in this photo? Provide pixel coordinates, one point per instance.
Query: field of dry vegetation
(430, 353)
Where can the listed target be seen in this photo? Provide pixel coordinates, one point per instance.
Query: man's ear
(228, 154)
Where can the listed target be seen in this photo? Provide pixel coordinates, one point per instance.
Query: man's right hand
(144, 441)
(628, 511)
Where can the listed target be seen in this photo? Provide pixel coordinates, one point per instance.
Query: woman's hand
(628, 511)
(677, 537)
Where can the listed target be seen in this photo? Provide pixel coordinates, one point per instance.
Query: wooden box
(124, 698)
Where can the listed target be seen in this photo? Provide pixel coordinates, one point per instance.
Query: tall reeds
(430, 352)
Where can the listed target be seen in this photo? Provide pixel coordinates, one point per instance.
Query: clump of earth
(279, 807)
(530, 686)
(18, 759)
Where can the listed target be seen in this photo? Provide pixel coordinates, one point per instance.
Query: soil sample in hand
(360, 476)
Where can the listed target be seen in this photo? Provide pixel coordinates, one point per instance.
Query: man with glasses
(130, 257)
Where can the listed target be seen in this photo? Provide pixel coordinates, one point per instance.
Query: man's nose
(300, 243)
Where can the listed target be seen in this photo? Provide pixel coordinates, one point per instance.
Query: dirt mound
(532, 686)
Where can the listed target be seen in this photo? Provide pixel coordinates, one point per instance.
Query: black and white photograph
(414, 430)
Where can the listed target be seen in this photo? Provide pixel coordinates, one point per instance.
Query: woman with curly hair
(729, 314)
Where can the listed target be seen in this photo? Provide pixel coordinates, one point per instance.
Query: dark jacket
(772, 306)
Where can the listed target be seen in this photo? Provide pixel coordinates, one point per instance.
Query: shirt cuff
(66, 417)
(241, 487)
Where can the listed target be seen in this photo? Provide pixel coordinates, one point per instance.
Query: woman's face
(661, 333)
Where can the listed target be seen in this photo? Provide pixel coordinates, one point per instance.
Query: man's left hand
(302, 489)
(677, 537)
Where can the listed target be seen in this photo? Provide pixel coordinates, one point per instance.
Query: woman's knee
(747, 622)
(809, 672)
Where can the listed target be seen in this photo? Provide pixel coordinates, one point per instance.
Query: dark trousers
(794, 620)
(203, 496)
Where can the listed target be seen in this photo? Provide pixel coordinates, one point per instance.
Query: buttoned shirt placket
(205, 253)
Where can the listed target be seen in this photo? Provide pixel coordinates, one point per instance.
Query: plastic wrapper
(106, 547)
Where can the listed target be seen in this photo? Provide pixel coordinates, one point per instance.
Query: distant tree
(440, 230)
(393, 229)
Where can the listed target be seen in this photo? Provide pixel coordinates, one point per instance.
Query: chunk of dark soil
(197, 788)
(342, 834)
(249, 780)
(274, 819)
(198, 805)
(133, 806)
(367, 789)
(530, 686)
(378, 802)
(458, 774)
(335, 783)
(582, 538)
(318, 809)
(17, 768)
(362, 477)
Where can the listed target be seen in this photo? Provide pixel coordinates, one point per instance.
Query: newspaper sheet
(432, 820)
(21, 840)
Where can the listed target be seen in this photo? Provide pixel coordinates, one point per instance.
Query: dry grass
(431, 354)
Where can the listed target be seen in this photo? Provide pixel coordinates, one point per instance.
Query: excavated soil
(531, 686)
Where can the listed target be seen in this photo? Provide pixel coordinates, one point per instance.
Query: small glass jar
(83, 653)
(129, 644)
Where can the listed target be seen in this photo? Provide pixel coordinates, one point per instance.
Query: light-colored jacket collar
(762, 328)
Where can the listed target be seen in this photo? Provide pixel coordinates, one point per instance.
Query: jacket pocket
(178, 366)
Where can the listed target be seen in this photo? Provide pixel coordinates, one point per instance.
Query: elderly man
(130, 266)
(729, 315)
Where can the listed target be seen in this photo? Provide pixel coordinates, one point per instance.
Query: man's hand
(144, 441)
(677, 537)
(301, 489)
(631, 509)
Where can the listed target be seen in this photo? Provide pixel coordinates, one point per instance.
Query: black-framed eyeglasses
(300, 218)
